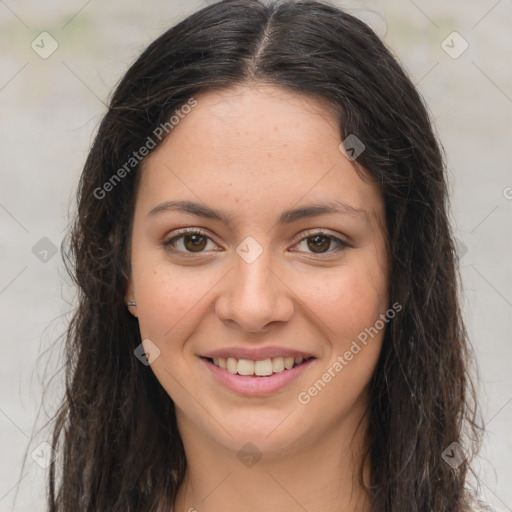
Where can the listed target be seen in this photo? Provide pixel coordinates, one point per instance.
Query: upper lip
(256, 354)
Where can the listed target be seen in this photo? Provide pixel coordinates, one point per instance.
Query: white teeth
(261, 368)
(277, 364)
(245, 367)
(289, 362)
(231, 365)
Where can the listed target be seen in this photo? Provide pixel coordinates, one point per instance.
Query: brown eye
(194, 242)
(320, 243)
(188, 242)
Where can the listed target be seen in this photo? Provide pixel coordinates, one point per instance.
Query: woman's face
(272, 277)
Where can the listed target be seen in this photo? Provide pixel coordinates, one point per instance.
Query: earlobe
(129, 300)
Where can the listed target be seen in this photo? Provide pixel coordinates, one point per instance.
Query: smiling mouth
(260, 368)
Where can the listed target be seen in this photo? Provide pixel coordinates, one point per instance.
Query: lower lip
(251, 385)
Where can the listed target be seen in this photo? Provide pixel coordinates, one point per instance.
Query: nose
(254, 295)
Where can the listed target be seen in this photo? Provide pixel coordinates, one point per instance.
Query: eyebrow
(287, 217)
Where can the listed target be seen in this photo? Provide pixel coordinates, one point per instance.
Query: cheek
(349, 307)
(169, 299)
(349, 300)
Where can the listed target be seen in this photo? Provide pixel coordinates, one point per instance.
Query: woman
(268, 314)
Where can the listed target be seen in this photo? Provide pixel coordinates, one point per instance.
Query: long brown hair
(116, 430)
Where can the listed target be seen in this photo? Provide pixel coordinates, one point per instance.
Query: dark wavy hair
(120, 449)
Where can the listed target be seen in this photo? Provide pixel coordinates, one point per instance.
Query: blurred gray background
(58, 64)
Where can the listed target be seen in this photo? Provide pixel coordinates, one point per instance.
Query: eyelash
(197, 231)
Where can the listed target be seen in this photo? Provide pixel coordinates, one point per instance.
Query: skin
(254, 151)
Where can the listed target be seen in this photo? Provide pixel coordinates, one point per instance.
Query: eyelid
(189, 231)
(321, 231)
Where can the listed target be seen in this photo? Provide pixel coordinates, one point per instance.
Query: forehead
(254, 116)
(261, 146)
